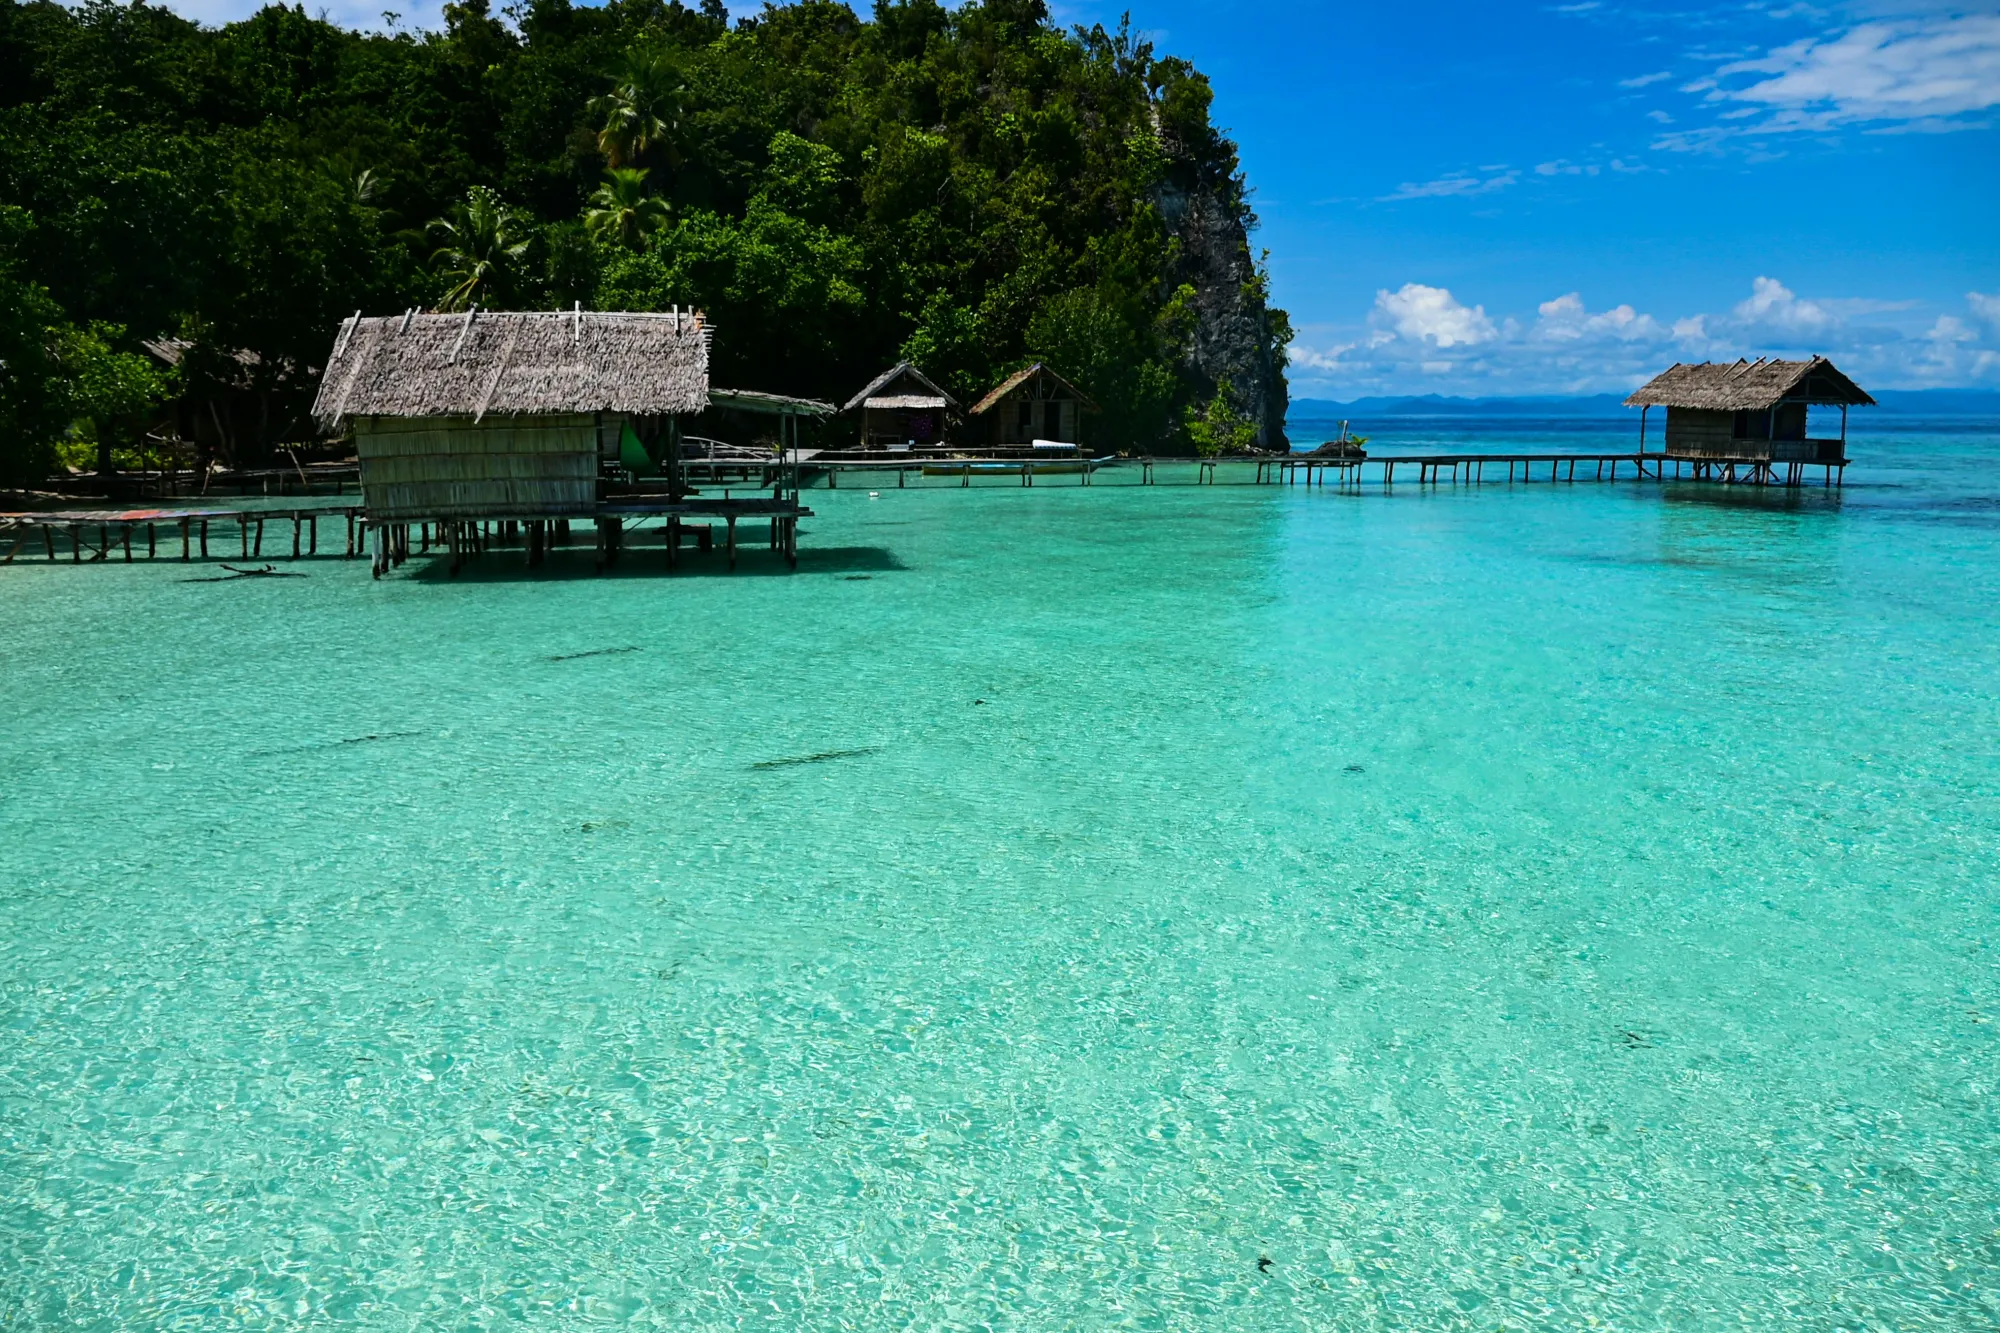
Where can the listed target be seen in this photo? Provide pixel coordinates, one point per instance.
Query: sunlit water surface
(1173, 908)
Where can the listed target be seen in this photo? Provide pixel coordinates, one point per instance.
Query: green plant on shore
(108, 392)
(1218, 428)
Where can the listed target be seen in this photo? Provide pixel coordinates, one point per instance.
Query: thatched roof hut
(1749, 410)
(902, 406)
(1032, 404)
(507, 414)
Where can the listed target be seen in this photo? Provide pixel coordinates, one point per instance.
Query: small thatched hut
(1752, 411)
(1031, 405)
(508, 415)
(901, 406)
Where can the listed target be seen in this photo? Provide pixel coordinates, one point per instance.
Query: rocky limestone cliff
(1238, 338)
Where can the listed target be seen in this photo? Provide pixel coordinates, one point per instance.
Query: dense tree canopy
(972, 187)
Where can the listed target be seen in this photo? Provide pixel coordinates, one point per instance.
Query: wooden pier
(87, 536)
(95, 534)
(1473, 469)
(1314, 470)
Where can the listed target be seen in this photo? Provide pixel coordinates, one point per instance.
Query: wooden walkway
(94, 534)
(1311, 470)
(1473, 469)
(86, 536)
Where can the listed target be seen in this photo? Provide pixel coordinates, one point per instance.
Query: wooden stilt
(204, 539)
(731, 519)
(152, 542)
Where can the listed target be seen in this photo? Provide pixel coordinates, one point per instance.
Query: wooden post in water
(732, 540)
(49, 535)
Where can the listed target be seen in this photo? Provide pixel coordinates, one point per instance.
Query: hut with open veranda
(1032, 406)
(508, 415)
(901, 407)
(1750, 413)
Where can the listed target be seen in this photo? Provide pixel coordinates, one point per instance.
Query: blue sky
(1478, 198)
(1520, 198)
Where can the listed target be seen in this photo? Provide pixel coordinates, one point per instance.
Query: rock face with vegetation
(971, 188)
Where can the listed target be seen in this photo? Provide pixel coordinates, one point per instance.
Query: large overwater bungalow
(1749, 414)
(532, 419)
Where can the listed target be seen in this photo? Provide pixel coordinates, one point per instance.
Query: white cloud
(1304, 356)
(1985, 307)
(1773, 306)
(1645, 79)
(1927, 75)
(1565, 319)
(1952, 329)
(1565, 167)
(1432, 315)
(1457, 184)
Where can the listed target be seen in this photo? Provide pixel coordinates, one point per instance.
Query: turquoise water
(1532, 907)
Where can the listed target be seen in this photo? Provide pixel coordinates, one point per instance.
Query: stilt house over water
(508, 415)
(1031, 406)
(901, 407)
(1749, 412)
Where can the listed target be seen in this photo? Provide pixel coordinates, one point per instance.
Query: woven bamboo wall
(1695, 432)
(502, 467)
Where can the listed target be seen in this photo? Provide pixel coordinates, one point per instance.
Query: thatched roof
(1752, 385)
(516, 363)
(1020, 377)
(916, 391)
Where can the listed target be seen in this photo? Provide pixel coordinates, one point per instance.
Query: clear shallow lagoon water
(1533, 907)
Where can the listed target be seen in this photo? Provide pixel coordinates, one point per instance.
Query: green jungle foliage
(970, 188)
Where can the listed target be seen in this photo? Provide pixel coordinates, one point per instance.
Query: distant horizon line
(1975, 398)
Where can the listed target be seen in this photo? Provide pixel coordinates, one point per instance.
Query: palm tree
(642, 109)
(621, 209)
(482, 241)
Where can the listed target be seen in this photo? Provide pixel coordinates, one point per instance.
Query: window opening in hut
(1027, 422)
(1052, 419)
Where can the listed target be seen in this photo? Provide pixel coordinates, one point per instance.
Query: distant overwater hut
(900, 408)
(525, 421)
(1750, 415)
(1031, 406)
